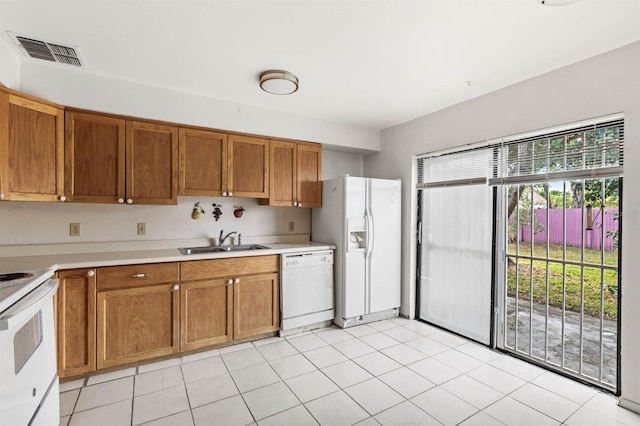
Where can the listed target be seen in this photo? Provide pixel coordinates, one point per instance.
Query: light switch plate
(74, 229)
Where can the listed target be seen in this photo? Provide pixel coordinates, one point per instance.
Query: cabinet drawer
(230, 267)
(112, 277)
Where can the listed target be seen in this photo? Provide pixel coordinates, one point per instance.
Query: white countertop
(149, 255)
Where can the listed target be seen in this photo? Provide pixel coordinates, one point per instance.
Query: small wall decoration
(238, 211)
(197, 211)
(216, 211)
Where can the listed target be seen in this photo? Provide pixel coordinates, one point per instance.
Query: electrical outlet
(74, 229)
(292, 226)
(142, 228)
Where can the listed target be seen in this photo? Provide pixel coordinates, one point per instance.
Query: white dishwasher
(306, 291)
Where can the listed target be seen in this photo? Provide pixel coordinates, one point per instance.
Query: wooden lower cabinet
(76, 322)
(117, 315)
(255, 305)
(137, 323)
(239, 299)
(205, 313)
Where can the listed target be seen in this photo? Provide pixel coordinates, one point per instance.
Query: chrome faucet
(221, 239)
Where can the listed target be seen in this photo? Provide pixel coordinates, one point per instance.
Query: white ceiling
(370, 64)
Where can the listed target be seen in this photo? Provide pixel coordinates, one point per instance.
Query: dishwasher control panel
(298, 260)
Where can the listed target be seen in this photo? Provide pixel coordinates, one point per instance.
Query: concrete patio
(591, 348)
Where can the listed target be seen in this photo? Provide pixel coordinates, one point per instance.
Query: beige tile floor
(392, 372)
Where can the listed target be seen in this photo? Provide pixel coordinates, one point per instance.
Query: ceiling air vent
(49, 51)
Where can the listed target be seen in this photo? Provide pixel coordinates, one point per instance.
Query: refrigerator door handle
(370, 235)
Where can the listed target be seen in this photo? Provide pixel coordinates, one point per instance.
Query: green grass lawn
(574, 276)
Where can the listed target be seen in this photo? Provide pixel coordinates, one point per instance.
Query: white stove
(15, 285)
(29, 384)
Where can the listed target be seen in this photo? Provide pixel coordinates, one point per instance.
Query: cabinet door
(283, 174)
(94, 158)
(31, 150)
(205, 313)
(248, 167)
(135, 324)
(76, 315)
(255, 305)
(309, 172)
(203, 162)
(151, 163)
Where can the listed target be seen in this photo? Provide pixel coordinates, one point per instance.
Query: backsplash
(45, 223)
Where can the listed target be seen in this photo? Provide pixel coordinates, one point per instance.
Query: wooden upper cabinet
(295, 174)
(282, 170)
(203, 162)
(31, 149)
(151, 163)
(309, 173)
(113, 160)
(248, 172)
(94, 158)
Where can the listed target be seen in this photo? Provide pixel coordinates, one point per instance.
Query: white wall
(40, 223)
(335, 163)
(9, 66)
(599, 86)
(83, 90)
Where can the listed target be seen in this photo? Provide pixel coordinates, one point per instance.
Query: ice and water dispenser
(357, 234)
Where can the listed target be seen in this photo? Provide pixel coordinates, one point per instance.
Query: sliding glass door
(456, 234)
(528, 225)
(561, 268)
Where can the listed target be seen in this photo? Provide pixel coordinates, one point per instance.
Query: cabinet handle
(142, 275)
(295, 204)
(230, 194)
(229, 281)
(91, 273)
(237, 280)
(224, 194)
(299, 204)
(62, 198)
(176, 287)
(120, 200)
(129, 201)
(1, 195)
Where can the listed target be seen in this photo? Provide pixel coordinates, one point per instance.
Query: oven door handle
(26, 307)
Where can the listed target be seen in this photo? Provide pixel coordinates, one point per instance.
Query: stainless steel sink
(218, 249)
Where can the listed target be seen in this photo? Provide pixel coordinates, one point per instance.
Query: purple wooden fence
(575, 228)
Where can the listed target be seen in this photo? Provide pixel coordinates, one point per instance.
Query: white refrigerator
(361, 216)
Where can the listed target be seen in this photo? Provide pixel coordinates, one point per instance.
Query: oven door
(28, 354)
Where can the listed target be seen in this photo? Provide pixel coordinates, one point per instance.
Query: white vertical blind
(457, 213)
(455, 277)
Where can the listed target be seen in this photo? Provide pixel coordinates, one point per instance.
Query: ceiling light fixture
(278, 82)
(557, 2)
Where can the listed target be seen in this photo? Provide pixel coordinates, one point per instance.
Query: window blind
(467, 167)
(593, 149)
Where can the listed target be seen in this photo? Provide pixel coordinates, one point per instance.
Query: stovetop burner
(15, 276)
